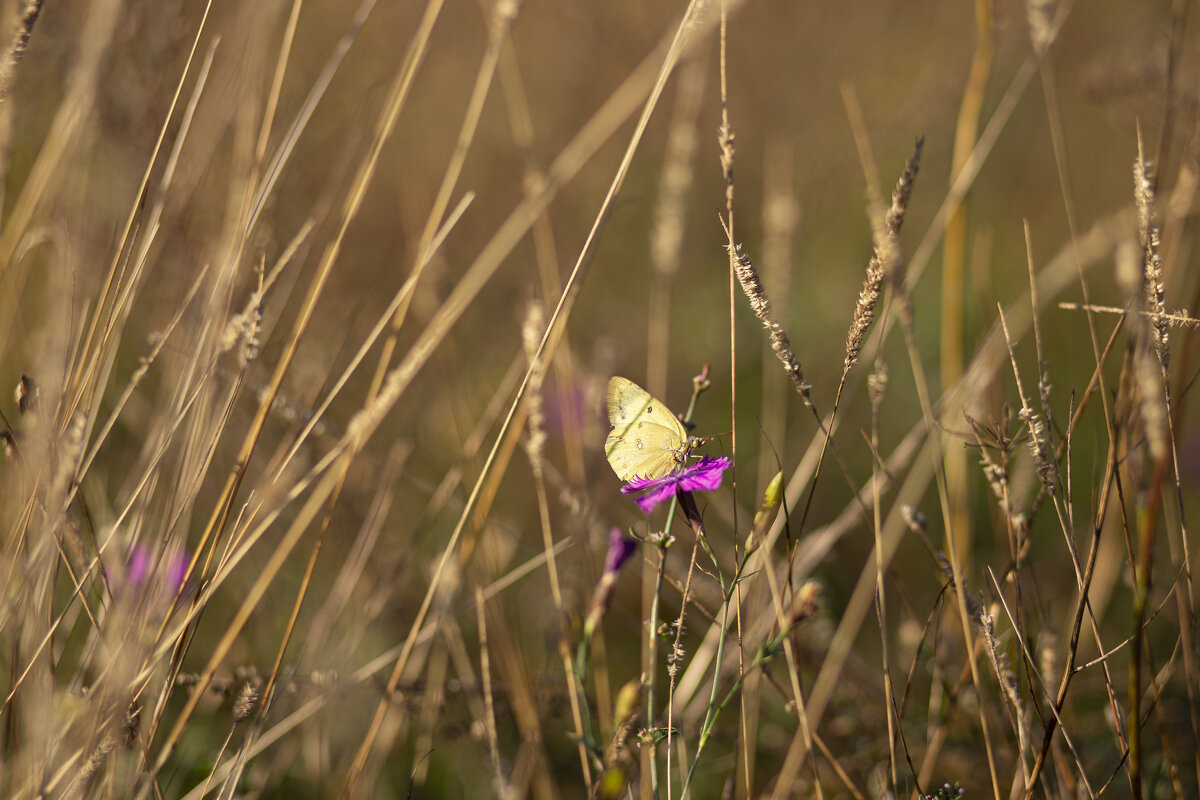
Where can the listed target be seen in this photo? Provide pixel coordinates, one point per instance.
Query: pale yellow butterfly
(647, 440)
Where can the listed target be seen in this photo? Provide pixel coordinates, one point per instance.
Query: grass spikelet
(1040, 14)
(760, 304)
(864, 309)
(531, 335)
(1047, 650)
(1039, 443)
(97, 758)
(20, 41)
(994, 474)
(986, 624)
(66, 460)
(245, 703)
(1043, 373)
(1145, 201)
(1147, 367)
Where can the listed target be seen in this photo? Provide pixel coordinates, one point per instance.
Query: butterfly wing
(646, 439)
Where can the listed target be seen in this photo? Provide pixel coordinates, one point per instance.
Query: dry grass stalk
(670, 213)
(1180, 319)
(780, 220)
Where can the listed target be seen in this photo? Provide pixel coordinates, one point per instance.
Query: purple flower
(703, 476)
(139, 566)
(619, 551)
(140, 570)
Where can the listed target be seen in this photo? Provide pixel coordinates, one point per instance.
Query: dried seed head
(808, 601)
(1040, 14)
(1048, 651)
(1147, 372)
(531, 336)
(1043, 458)
(914, 519)
(133, 723)
(30, 10)
(752, 287)
(1127, 259)
(877, 385)
(884, 260)
(725, 139)
(27, 395)
(1008, 681)
(1145, 198)
(245, 703)
(69, 451)
(108, 743)
(995, 476)
(627, 702)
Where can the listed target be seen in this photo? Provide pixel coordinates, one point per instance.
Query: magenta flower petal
(145, 567)
(619, 551)
(176, 572)
(139, 566)
(637, 484)
(658, 494)
(703, 476)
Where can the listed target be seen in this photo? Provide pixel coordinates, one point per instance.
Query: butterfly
(647, 440)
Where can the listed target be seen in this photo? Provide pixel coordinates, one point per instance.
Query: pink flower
(143, 563)
(703, 476)
(619, 551)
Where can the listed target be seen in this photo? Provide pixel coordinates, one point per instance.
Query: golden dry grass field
(310, 310)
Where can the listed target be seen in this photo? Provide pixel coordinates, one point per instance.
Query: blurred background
(97, 86)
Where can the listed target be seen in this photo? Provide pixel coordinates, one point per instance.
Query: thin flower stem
(726, 139)
(699, 384)
(652, 647)
(876, 394)
(714, 708)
